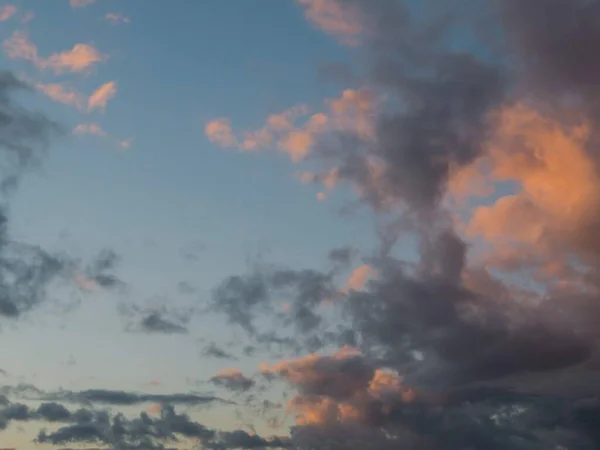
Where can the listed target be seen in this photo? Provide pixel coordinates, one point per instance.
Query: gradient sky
(208, 139)
(172, 192)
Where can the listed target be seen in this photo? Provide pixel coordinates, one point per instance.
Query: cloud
(80, 59)
(89, 128)
(80, 3)
(214, 351)
(101, 96)
(7, 11)
(350, 112)
(159, 319)
(116, 18)
(340, 19)
(481, 152)
(96, 129)
(108, 397)
(92, 427)
(62, 94)
(232, 379)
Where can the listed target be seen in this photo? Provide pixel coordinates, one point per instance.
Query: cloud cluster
(482, 148)
(82, 58)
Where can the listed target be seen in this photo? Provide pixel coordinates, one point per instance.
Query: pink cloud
(81, 58)
(101, 96)
(7, 11)
(335, 17)
(219, 131)
(295, 132)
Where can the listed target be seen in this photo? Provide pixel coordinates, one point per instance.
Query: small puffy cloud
(116, 18)
(219, 132)
(101, 96)
(80, 3)
(80, 58)
(7, 11)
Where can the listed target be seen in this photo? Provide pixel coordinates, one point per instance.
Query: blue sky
(207, 251)
(175, 68)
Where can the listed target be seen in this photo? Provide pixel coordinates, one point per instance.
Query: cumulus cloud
(80, 59)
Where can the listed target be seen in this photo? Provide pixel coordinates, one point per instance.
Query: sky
(307, 224)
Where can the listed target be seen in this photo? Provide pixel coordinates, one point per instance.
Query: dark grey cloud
(150, 433)
(342, 256)
(214, 351)
(287, 297)
(156, 319)
(233, 380)
(124, 398)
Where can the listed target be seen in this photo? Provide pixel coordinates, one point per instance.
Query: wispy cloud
(116, 18)
(101, 96)
(94, 129)
(7, 11)
(80, 58)
(89, 128)
(62, 94)
(81, 3)
(338, 18)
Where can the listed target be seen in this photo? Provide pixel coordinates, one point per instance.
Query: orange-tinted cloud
(358, 278)
(295, 132)
(328, 404)
(62, 94)
(334, 17)
(546, 217)
(81, 58)
(219, 131)
(101, 96)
